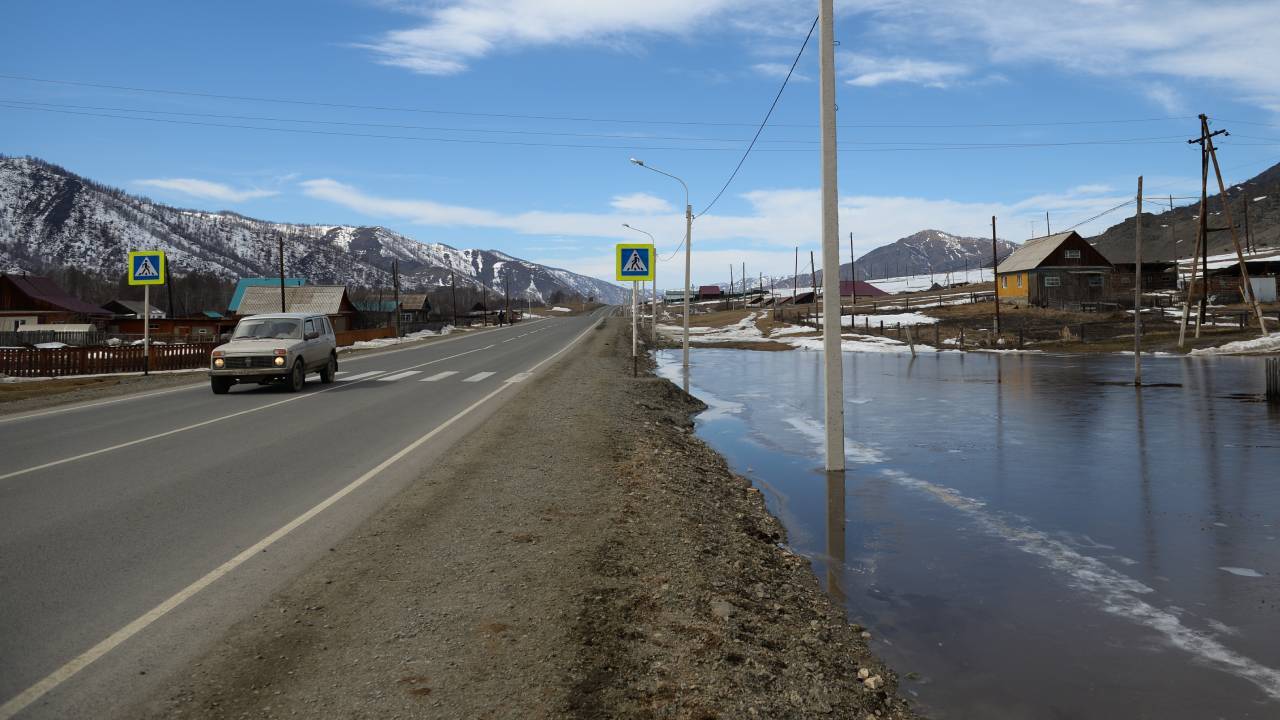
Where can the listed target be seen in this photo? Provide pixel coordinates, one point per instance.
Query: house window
(1095, 281)
(1019, 281)
(1071, 254)
(1004, 282)
(1052, 281)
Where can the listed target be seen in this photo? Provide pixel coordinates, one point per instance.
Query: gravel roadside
(582, 555)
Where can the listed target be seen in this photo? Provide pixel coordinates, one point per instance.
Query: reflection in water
(1029, 535)
(835, 537)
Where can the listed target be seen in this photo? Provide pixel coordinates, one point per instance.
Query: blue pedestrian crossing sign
(146, 267)
(635, 262)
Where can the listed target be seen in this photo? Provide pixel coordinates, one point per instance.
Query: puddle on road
(1026, 536)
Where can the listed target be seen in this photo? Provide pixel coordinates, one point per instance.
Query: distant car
(279, 346)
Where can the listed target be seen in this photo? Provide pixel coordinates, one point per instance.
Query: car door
(310, 343)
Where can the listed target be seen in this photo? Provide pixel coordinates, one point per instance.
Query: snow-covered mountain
(52, 217)
(929, 251)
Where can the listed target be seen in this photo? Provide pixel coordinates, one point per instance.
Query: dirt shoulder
(582, 555)
(25, 395)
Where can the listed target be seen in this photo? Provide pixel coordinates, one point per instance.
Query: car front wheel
(220, 385)
(298, 377)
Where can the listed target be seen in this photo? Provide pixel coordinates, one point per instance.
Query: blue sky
(495, 91)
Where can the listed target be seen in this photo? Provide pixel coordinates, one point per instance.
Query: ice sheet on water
(1242, 572)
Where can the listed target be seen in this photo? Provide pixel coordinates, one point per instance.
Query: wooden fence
(59, 362)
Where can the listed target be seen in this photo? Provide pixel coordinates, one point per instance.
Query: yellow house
(1058, 270)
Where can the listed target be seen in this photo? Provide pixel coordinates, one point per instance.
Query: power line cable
(763, 122)
(893, 147)
(570, 118)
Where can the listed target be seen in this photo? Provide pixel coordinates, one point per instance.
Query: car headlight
(219, 362)
(279, 361)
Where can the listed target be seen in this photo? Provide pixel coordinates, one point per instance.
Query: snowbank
(560, 309)
(385, 342)
(1257, 346)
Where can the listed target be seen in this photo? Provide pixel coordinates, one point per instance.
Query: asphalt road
(134, 531)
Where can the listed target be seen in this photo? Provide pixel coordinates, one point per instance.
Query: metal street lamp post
(688, 242)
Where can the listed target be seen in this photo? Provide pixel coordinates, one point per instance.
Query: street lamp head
(637, 161)
(626, 225)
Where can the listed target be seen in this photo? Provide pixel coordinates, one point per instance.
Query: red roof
(864, 289)
(709, 290)
(42, 290)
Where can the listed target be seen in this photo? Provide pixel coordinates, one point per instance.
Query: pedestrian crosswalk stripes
(399, 376)
(363, 375)
(479, 376)
(440, 376)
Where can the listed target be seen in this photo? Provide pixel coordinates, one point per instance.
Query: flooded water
(1024, 535)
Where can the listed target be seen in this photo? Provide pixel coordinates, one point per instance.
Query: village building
(243, 283)
(329, 300)
(1059, 270)
(1224, 275)
(710, 292)
(415, 308)
(859, 288)
(37, 300)
(131, 309)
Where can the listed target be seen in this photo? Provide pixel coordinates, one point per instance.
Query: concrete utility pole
(688, 262)
(833, 371)
(731, 286)
(395, 288)
(1047, 231)
(1137, 291)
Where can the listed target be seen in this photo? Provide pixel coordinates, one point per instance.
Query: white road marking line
(341, 372)
(518, 377)
(399, 375)
(508, 340)
(439, 376)
(479, 376)
(486, 347)
(363, 375)
(20, 701)
(347, 383)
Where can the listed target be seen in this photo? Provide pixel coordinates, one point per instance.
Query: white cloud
(641, 203)
(1166, 97)
(205, 189)
(457, 32)
(778, 71)
(870, 71)
(779, 219)
(1231, 42)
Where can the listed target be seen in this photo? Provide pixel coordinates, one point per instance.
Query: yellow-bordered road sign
(146, 267)
(635, 262)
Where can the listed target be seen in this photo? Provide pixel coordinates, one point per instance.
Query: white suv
(279, 346)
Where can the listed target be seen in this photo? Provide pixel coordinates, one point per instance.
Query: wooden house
(329, 300)
(37, 300)
(1059, 270)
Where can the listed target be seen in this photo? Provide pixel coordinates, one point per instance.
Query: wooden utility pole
(1202, 248)
(1245, 284)
(995, 264)
(506, 295)
(813, 285)
(744, 286)
(731, 286)
(853, 275)
(1137, 291)
(795, 280)
(280, 240)
(453, 284)
(395, 284)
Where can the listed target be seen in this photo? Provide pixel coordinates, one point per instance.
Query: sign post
(146, 268)
(634, 263)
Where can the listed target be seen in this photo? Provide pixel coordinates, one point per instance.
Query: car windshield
(267, 328)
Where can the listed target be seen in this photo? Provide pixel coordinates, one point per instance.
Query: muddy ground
(583, 555)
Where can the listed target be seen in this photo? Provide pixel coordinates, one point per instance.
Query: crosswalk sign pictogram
(635, 262)
(146, 267)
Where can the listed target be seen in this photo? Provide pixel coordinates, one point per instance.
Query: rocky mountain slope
(1170, 234)
(50, 217)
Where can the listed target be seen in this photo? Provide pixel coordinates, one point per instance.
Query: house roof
(863, 287)
(44, 290)
(324, 299)
(131, 307)
(375, 305)
(1033, 252)
(415, 301)
(709, 290)
(243, 283)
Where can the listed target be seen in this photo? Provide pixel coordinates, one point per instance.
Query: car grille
(250, 361)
